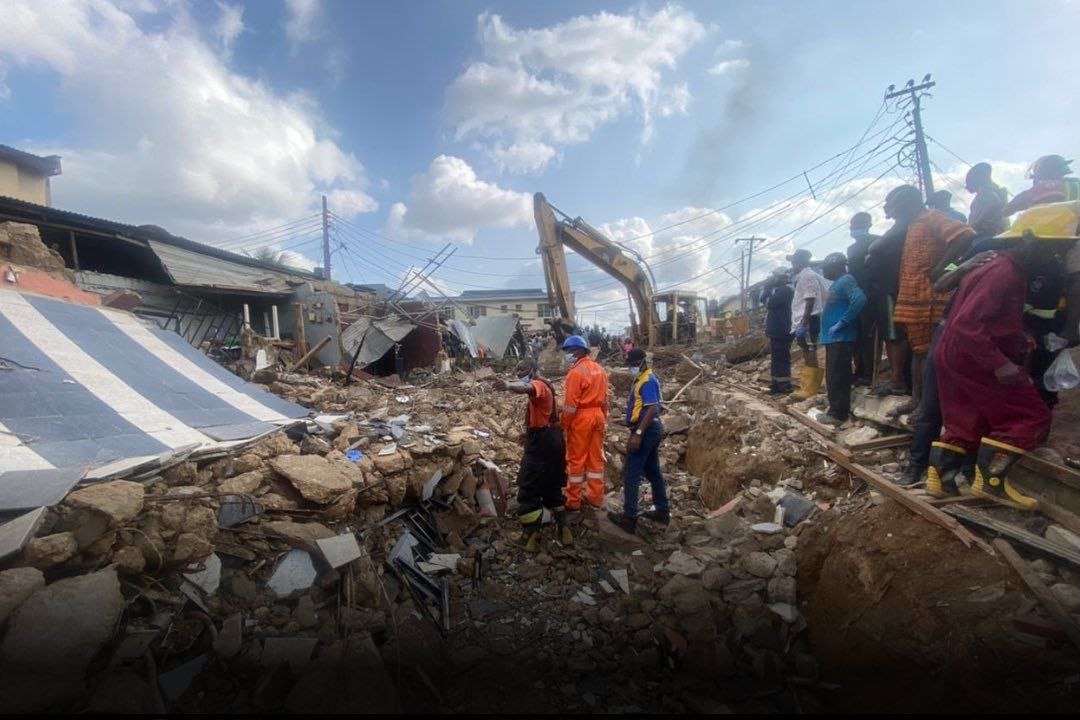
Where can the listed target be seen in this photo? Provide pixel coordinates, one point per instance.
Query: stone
(781, 590)
(716, 578)
(246, 463)
(681, 563)
(362, 619)
(61, 627)
(305, 612)
(1042, 566)
(190, 547)
(229, 639)
(44, 552)
(785, 561)
(787, 613)
(120, 500)
(767, 528)
(244, 483)
(129, 560)
(1067, 595)
(390, 464)
(16, 585)
(1058, 534)
(759, 564)
(724, 527)
(313, 476)
(303, 535)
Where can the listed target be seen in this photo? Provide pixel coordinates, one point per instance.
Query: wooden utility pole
(914, 95)
(325, 239)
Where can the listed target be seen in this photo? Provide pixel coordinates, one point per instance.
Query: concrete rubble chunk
(295, 572)
(787, 613)
(340, 549)
(1058, 534)
(1067, 595)
(314, 477)
(305, 535)
(16, 585)
(44, 552)
(681, 563)
(14, 534)
(60, 628)
(119, 500)
(759, 564)
(230, 637)
(247, 482)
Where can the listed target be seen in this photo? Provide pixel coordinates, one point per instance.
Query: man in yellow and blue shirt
(643, 409)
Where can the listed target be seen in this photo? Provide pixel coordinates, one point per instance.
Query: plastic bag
(1062, 374)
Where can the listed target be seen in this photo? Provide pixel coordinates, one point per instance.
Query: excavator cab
(680, 314)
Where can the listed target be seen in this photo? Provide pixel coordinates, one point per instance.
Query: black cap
(635, 357)
(800, 254)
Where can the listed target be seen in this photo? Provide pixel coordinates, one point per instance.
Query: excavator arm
(591, 244)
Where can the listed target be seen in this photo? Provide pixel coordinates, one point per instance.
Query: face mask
(524, 379)
(571, 358)
(860, 233)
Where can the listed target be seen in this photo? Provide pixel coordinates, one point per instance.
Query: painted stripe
(92, 375)
(16, 456)
(134, 329)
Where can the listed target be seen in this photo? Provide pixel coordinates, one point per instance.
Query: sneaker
(657, 516)
(627, 525)
(827, 419)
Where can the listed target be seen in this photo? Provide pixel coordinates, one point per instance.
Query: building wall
(530, 311)
(23, 184)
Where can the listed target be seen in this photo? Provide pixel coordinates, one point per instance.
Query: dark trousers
(542, 476)
(780, 360)
(838, 356)
(646, 461)
(928, 426)
(867, 347)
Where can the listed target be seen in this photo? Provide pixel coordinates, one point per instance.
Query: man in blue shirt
(838, 334)
(643, 448)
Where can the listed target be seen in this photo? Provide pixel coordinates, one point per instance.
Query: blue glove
(800, 332)
(837, 327)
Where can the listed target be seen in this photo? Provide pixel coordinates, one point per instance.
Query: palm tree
(267, 255)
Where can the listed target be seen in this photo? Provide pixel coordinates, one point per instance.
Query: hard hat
(1053, 221)
(575, 341)
(1050, 167)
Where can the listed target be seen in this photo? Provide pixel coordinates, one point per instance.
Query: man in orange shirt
(584, 417)
(542, 476)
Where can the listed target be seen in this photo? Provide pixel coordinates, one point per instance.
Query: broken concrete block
(340, 549)
(14, 534)
(119, 500)
(229, 638)
(313, 476)
(759, 564)
(44, 552)
(61, 627)
(1067, 595)
(244, 483)
(782, 590)
(129, 560)
(294, 573)
(1058, 534)
(304, 535)
(16, 585)
(681, 563)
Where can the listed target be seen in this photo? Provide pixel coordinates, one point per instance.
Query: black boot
(565, 537)
(657, 516)
(945, 462)
(627, 525)
(912, 475)
(992, 466)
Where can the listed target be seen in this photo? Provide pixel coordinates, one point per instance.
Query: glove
(837, 327)
(800, 332)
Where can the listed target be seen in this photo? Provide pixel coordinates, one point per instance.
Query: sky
(672, 127)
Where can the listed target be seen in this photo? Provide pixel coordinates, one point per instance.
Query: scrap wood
(1059, 515)
(1038, 588)
(310, 354)
(911, 502)
(1012, 532)
(683, 388)
(881, 443)
(821, 429)
(702, 368)
(1064, 475)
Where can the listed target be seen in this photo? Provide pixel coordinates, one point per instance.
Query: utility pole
(325, 239)
(742, 281)
(914, 94)
(749, 267)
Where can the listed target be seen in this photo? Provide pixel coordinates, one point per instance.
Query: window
(543, 310)
(517, 308)
(503, 309)
(477, 310)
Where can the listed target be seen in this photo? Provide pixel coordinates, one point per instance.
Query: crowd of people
(971, 313)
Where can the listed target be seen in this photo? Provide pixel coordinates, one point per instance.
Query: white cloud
(302, 18)
(165, 132)
(725, 67)
(557, 85)
(448, 201)
(5, 91)
(229, 25)
(523, 157)
(729, 46)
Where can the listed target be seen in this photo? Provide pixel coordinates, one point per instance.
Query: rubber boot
(912, 475)
(992, 466)
(945, 462)
(530, 536)
(566, 539)
(811, 378)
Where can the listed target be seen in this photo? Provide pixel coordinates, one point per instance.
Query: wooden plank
(683, 388)
(881, 443)
(1059, 552)
(920, 507)
(301, 338)
(1064, 475)
(1059, 515)
(1035, 584)
(965, 499)
(821, 429)
(310, 353)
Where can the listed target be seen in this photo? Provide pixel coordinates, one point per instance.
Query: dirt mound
(906, 619)
(20, 244)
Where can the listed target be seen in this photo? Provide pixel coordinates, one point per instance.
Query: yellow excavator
(663, 319)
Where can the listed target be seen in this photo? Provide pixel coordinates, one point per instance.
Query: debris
(293, 651)
(622, 578)
(177, 681)
(295, 572)
(14, 534)
(230, 637)
(339, 550)
(48, 550)
(681, 563)
(796, 508)
(209, 578)
(313, 476)
(28, 489)
(767, 528)
(16, 585)
(119, 500)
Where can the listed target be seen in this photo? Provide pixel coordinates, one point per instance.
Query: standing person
(842, 307)
(584, 417)
(806, 305)
(942, 202)
(932, 241)
(776, 297)
(989, 403)
(883, 264)
(1049, 184)
(643, 409)
(867, 347)
(986, 217)
(542, 475)
(399, 361)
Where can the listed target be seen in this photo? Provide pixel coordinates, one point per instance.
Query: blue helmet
(575, 341)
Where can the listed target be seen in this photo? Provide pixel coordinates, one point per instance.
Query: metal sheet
(461, 330)
(378, 336)
(186, 267)
(14, 534)
(26, 489)
(494, 332)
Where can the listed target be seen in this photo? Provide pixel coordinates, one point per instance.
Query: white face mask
(571, 358)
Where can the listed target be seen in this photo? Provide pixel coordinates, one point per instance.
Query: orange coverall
(584, 417)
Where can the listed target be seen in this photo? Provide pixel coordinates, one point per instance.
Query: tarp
(82, 387)
(378, 336)
(494, 332)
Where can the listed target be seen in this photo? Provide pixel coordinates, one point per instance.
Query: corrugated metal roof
(196, 269)
(378, 337)
(494, 333)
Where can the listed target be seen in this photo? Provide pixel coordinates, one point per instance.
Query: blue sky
(434, 122)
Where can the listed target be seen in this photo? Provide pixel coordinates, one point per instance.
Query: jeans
(646, 461)
(838, 356)
(928, 426)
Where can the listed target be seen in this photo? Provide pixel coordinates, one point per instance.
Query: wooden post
(1039, 590)
(74, 250)
(310, 354)
(275, 325)
(301, 340)
(247, 316)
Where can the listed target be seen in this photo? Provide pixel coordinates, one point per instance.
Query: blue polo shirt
(644, 392)
(844, 302)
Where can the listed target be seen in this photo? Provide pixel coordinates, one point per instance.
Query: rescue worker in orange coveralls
(584, 417)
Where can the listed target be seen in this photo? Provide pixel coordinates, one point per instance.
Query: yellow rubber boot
(566, 538)
(809, 382)
(992, 466)
(945, 462)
